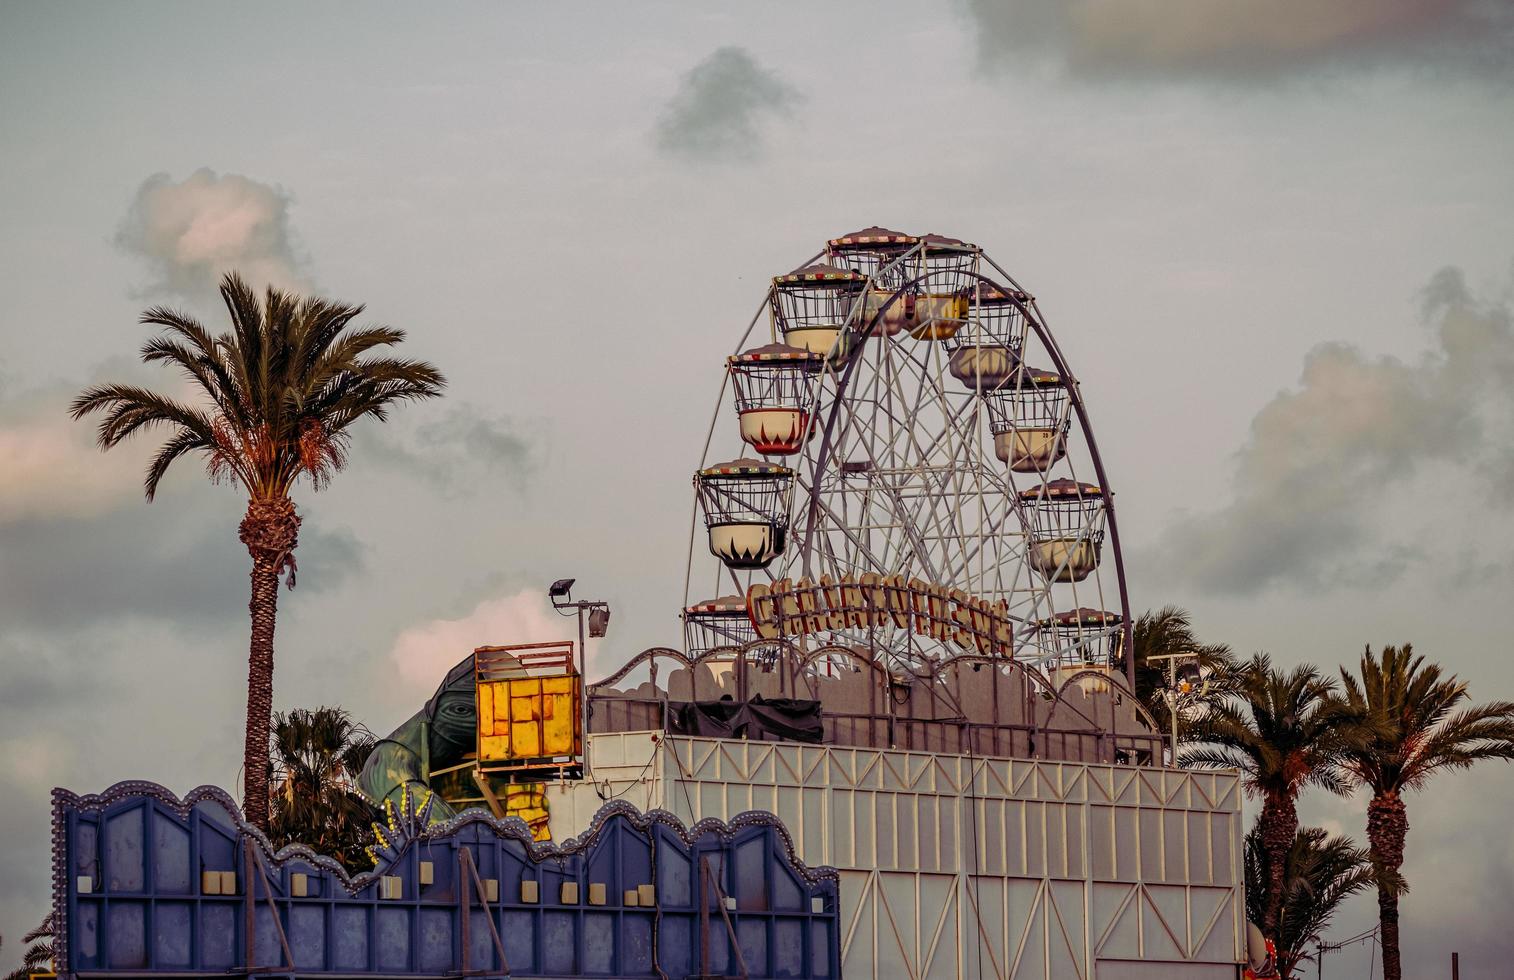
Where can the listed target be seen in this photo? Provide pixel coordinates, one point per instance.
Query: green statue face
(453, 716)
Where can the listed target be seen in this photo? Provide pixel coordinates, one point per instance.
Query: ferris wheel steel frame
(817, 468)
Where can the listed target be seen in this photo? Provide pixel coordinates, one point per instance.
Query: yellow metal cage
(530, 710)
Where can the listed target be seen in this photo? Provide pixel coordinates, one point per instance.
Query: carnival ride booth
(1028, 417)
(774, 390)
(745, 505)
(812, 306)
(943, 272)
(970, 704)
(986, 352)
(1067, 529)
(727, 692)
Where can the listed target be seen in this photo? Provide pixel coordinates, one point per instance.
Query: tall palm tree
(1169, 630)
(1284, 730)
(274, 401)
(1319, 873)
(1418, 732)
(316, 758)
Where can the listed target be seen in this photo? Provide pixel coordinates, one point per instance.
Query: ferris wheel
(918, 475)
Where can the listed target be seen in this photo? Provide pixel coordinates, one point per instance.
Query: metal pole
(583, 688)
(1455, 966)
(1171, 694)
(1172, 702)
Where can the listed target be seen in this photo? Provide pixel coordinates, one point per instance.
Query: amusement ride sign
(785, 609)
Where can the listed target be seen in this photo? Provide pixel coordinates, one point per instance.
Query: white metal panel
(955, 866)
(1117, 970)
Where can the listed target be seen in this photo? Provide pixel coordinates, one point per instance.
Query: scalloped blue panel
(138, 875)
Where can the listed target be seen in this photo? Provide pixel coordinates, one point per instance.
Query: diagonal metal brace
(469, 881)
(250, 852)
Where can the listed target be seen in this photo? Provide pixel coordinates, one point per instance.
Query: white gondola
(745, 504)
(774, 391)
(1067, 529)
(1028, 418)
(717, 623)
(875, 252)
(986, 352)
(812, 306)
(1088, 644)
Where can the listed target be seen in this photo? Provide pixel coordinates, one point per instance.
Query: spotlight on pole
(561, 594)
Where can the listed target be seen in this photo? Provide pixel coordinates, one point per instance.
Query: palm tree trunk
(1279, 826)
(270, 531)
(1387, 833)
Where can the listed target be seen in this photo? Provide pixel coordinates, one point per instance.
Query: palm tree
(1284, 730)
(316, 757)
(1319, 873)
(1169, 630)
(276, 398)
(1418, 732)
(39, 955)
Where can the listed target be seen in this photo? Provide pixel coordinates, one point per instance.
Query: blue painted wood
(144, 912)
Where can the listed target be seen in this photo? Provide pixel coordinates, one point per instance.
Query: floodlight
(599, 620)
(560, 588)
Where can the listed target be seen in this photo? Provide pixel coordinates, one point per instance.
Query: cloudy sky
(1276, 241)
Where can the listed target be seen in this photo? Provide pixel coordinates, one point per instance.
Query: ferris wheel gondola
(745, 504)
(812, 306)
(773, 387)
(986, 354)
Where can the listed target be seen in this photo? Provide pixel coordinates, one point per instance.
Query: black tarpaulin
(760, 719)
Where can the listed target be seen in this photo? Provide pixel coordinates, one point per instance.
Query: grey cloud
(190, 232)
(721, 107)
(1459, 862)
(454, 450)
(1312, 477)
(36, 685)
(175, 560)
(1245, 40)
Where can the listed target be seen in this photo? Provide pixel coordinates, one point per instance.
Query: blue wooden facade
(148, 885)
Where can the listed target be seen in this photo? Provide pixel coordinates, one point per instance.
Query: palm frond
(1320, 872)
(1420, 727)
(280, 390)
(316, 756)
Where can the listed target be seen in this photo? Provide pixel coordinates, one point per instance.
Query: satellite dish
(1258, 952)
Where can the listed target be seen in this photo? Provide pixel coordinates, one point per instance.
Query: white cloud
(423, 654)
(192, 231)
(1322, 458)
(50, 466)
(45, 471)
